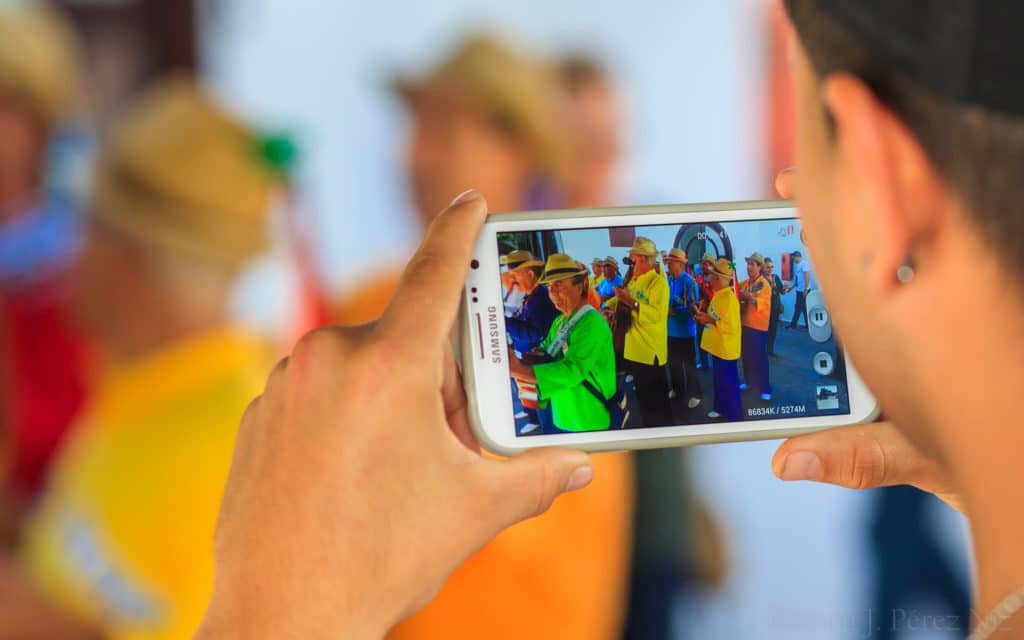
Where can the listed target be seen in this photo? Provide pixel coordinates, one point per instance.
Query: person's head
(597, 266)
(644, 254)
(722, 272)
(707, 264)
(755, 265)
(181, 196)
(38, 90)
(910, 151)
(610, 268)
(485, 118)
(675, 262)
(593, 122)
(524, 269)
(797, 257)
(769, 267)
(566, 281)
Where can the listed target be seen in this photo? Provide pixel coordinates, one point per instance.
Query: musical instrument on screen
(622, 317)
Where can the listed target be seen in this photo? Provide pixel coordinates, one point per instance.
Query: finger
(526, 485)
(785, 183)
(423, 307)
(858, 457)
(455, 403)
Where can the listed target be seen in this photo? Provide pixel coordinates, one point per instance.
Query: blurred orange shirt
(560, 576)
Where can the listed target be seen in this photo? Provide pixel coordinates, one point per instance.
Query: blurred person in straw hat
(121, 543)
(44, 357)
(490, 100)
(579, 344)
(722, 339)
(646, 347)
(756, 309)
(487, 99)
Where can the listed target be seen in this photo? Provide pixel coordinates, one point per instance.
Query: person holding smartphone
(910, 149)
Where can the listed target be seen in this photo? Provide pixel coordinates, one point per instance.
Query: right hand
(860, 456)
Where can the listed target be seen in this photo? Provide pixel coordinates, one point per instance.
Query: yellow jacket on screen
(124, 534)
(724, 338)
(647, 338)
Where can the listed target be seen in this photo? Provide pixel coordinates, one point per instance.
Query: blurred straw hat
(39, 55)
(178, 171)
(522, 92)
(756, 258)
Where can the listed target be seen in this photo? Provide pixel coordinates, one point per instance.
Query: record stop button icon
(823, 363)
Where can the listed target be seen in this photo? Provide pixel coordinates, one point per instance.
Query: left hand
(702, 317)
(357, 486)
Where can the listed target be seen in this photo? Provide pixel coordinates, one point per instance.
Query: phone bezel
(487, 382)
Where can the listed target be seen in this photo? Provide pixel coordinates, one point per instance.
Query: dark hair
(978, 152)
(537, 271)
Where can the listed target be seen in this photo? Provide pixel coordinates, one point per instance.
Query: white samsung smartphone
(643, 327)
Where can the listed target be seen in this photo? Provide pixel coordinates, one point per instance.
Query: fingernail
(802, 465)
(466, 196)
(580, 478)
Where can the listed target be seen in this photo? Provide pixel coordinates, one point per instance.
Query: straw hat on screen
(39, 55)
(756, 258)
(520, 259)
(644, 247)
(724, 268)
(180, 172)
(521, 92)
(561, 267)
(676, 254)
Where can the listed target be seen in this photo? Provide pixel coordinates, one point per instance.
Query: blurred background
(276, 177)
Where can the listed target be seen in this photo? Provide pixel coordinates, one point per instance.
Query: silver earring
(905, 274)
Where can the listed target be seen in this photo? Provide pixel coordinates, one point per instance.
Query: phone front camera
(475, 264)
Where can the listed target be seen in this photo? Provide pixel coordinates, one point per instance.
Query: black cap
(970, 51)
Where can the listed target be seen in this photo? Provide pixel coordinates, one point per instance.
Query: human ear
(888, 178)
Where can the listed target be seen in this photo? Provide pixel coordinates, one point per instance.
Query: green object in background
(279, 152)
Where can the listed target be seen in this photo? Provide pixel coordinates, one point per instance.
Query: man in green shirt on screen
(579, 346)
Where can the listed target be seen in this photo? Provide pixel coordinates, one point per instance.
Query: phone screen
(652, 326)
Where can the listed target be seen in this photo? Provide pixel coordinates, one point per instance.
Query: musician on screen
(645, 350)
(611, 279)
(721, 338)
(756, 310)
(579, 362)
(682, 350)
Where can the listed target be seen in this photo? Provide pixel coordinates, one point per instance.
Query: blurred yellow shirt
(124, 533)
(561, 576)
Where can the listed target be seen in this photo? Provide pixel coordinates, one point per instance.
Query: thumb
(857, 457)
(526, 485)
